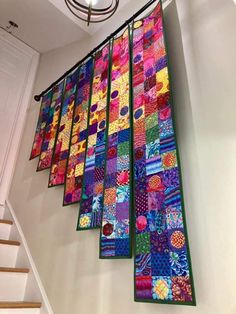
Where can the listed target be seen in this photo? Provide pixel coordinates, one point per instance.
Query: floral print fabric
(75, 166)
(41, 125)
(61, 149)
(162, 263)
(115, 232)
(90, 215)
(46, 154)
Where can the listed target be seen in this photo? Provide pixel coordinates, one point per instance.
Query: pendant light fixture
(90, 11)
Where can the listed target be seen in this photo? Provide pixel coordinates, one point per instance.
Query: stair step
(12, 286)
(15, 282)
(9, 242)
(5, 229)
(20, 305)
(14, 270)
(5, 221)
(20, 311)
(8, 253)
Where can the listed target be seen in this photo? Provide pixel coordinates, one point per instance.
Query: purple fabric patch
(111, 166)
(122, 210)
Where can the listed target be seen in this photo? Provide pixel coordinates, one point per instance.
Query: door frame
(21, 111)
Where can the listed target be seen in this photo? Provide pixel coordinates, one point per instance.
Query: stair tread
(19, 305)
(14, 270)
(6, 221)
(9, 242)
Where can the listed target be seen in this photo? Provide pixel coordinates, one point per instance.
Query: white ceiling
(46, 24)
(41, 25)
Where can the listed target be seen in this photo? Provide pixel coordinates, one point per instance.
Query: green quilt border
(111, 42)
(89, 103)
(38, 169)
(41, 105)
(108, 80)
(52, 186)
(59, 121)
(87, 132)
(130, 152)
(71, 131)
(193, 302)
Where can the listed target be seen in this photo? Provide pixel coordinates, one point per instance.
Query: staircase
(13, 278)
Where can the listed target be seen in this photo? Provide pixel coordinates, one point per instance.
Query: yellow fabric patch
(138, 24)
(162, 77)
(92, 140)
(161, 289)
(79, 169)
(113, 128)
(84, 221)
(123, 123)
(81, 146)
(73, 149)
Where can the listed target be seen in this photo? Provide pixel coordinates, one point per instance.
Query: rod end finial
(37, 98)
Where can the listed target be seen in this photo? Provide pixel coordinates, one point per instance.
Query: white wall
(202, 48)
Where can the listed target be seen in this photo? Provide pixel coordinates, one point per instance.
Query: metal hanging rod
(126, 23)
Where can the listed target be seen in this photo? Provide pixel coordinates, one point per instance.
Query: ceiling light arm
(89, 11)
(78, 9)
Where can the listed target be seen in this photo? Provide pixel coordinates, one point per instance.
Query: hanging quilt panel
(115, 234)
(45, 158)
(41, 125)
(75, 166)
(61, 149)
(162, 260)
(90, 214)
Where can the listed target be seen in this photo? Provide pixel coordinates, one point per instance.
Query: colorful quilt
(90, 214)
(41, 125)
(162, 260)
(115, 238)
(75, 166)
(107, 133)
(61, 149)
(45, 158)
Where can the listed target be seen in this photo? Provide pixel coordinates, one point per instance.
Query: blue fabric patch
(122, 247)
(143, 264)
(100, 160)
(108, 247)
(160, 264)
(82, 135)
(123, 136)
(100, 137)
(167, 144)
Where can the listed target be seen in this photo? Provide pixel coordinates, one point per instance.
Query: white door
(18, 64)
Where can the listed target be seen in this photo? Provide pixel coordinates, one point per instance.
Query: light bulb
(92, 2)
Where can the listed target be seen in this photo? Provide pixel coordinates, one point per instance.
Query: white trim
(22, 106)
(17, 43)
(31, 261)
